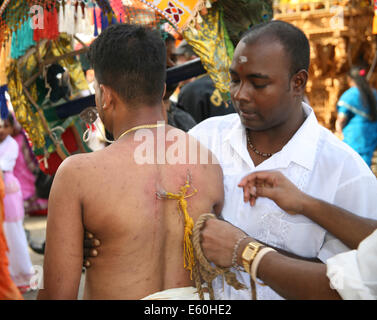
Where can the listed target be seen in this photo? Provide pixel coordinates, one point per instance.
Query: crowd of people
(17, 258)
(295, 206)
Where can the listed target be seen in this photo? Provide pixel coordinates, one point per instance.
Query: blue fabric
(360, 132)
(95, 24)
(3, 102)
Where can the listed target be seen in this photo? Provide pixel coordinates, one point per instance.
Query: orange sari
(8, 290)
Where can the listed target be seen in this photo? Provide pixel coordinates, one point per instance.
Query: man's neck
(138, 117)
(274, 139)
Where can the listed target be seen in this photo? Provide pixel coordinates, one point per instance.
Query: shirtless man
(109, 193)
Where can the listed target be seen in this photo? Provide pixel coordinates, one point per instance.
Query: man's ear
(299, 81)
(163, 96)
(107, 95)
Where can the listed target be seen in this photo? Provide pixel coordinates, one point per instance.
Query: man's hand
(218, 238)
(275, 186)
(90, 251)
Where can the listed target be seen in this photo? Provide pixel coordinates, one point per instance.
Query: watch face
(250, 251)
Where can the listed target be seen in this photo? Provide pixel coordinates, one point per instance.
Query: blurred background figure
(8, 290)
(198, 96)
(356, 121)
(20, 266)
(184, 53)
(174, 116)
(26, 171)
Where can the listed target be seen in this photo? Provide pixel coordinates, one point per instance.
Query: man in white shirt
(275, 130)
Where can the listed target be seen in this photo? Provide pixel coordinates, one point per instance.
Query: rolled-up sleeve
(353, 273)
(358, 196)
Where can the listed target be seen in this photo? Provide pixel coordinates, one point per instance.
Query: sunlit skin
(265, 95)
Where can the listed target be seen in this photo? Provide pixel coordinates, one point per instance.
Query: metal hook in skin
(161, 194)
(188, 178)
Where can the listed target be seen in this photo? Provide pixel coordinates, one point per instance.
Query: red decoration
(50, 26)
(54, 159)
(174, 11)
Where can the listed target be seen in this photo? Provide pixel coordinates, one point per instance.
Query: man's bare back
(141, 235)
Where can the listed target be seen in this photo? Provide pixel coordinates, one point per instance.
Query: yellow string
(188, 250)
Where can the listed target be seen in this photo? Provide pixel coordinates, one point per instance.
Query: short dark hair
(130, 59)
(10, 119)
(293, 40)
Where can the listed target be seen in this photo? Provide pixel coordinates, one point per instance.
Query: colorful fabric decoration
(83, 23)
(215, 32)
(22, 39)
(4, 61)
(139, 13)
(178, 12)
(240, 15)
(118, 8)
(26, 116)
(208, 43)
(50, 28)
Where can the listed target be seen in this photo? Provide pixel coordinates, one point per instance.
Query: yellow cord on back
(188, 250)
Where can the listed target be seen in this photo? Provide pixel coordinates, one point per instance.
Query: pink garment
(22, 172)
(20, 266)
(25, 164)
(13, 203)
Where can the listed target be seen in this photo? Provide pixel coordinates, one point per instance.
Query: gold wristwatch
(249, 253)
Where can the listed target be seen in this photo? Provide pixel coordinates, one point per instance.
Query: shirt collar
(236, 137)
(301, 149)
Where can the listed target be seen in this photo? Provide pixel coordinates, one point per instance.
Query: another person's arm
(65, 235)
(347, 227)
(340, 123)
(289, 277)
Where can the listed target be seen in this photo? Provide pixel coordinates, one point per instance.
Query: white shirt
(316, 161)
(8, 154)
(354, 273)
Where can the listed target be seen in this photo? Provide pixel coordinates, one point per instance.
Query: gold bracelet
(235, 250)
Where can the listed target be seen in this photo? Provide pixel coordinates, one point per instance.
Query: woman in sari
(357, 115)
(20, 266)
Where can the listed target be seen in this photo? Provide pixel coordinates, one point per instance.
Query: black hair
(293, 40)
(10, 119)
(358, 75)
(169, 37)
(131, 60)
